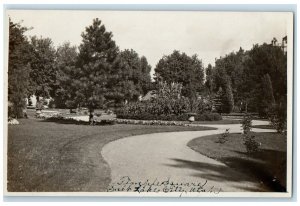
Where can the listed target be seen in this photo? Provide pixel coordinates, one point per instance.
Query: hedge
(183, 117)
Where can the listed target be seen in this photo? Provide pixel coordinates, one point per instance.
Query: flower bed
(46, 115)
(79, 120)
(152, 122)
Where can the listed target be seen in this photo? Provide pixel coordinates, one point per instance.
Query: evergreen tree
(266, 100)
(227, 99)
(217, 100)
(89, 79)
(209, 84)
(146, 77)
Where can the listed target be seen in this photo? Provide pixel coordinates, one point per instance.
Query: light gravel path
(166, 155)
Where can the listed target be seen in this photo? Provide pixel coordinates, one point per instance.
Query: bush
(16, 109)
(182, 117)
(278, 118)
(251, 144)
(52, 104)
(208, 116)
(168, 105)
(223, 137)
(247, 123)
(39, 105)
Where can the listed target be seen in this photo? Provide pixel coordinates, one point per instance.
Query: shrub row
(182, 117)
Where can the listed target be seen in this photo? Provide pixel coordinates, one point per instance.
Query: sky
(154, 34)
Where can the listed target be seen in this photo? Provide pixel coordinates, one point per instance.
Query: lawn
(268, 166)
(51, 156)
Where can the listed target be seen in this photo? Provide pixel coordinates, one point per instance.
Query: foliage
(169, 100)
(247, 123)
(209, 83)
(183, 117)
(18, 69)
(52, 104)
(43, 70)
(222, 138)
(88, 80)
(267, 99)
(217, 100)
(278, 118)
(251, 144)
(66, 57)
(40, 105)
(257, 77)
(227, 99)
(223, 100)
(169, 104)
(179, 67)
(208, 116)
(130, 78)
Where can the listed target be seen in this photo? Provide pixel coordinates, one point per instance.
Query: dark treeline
(253, 81)
(92, 75)
(97, 74)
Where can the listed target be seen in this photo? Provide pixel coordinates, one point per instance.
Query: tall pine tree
(88, 80)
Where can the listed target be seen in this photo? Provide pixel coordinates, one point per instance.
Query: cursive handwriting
(125, 184)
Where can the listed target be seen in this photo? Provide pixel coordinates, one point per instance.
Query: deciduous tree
(181, 68)
(18, 69)
(43, 70)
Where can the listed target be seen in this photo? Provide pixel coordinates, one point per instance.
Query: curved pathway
(163, 156)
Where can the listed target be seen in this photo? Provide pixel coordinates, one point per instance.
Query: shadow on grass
(216, 172)
(268, 166)
(77, 122)
(271, 175)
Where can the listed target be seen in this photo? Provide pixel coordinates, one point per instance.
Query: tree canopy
(88, 80)
(257, 77)
(130, 78)
(181, 68)
(18, 68)
(66, 58)
(43, 70)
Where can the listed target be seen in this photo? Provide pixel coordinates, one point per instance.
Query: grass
(53, 156)
(268, 166)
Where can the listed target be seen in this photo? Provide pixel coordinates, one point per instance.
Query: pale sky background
(157, 33)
